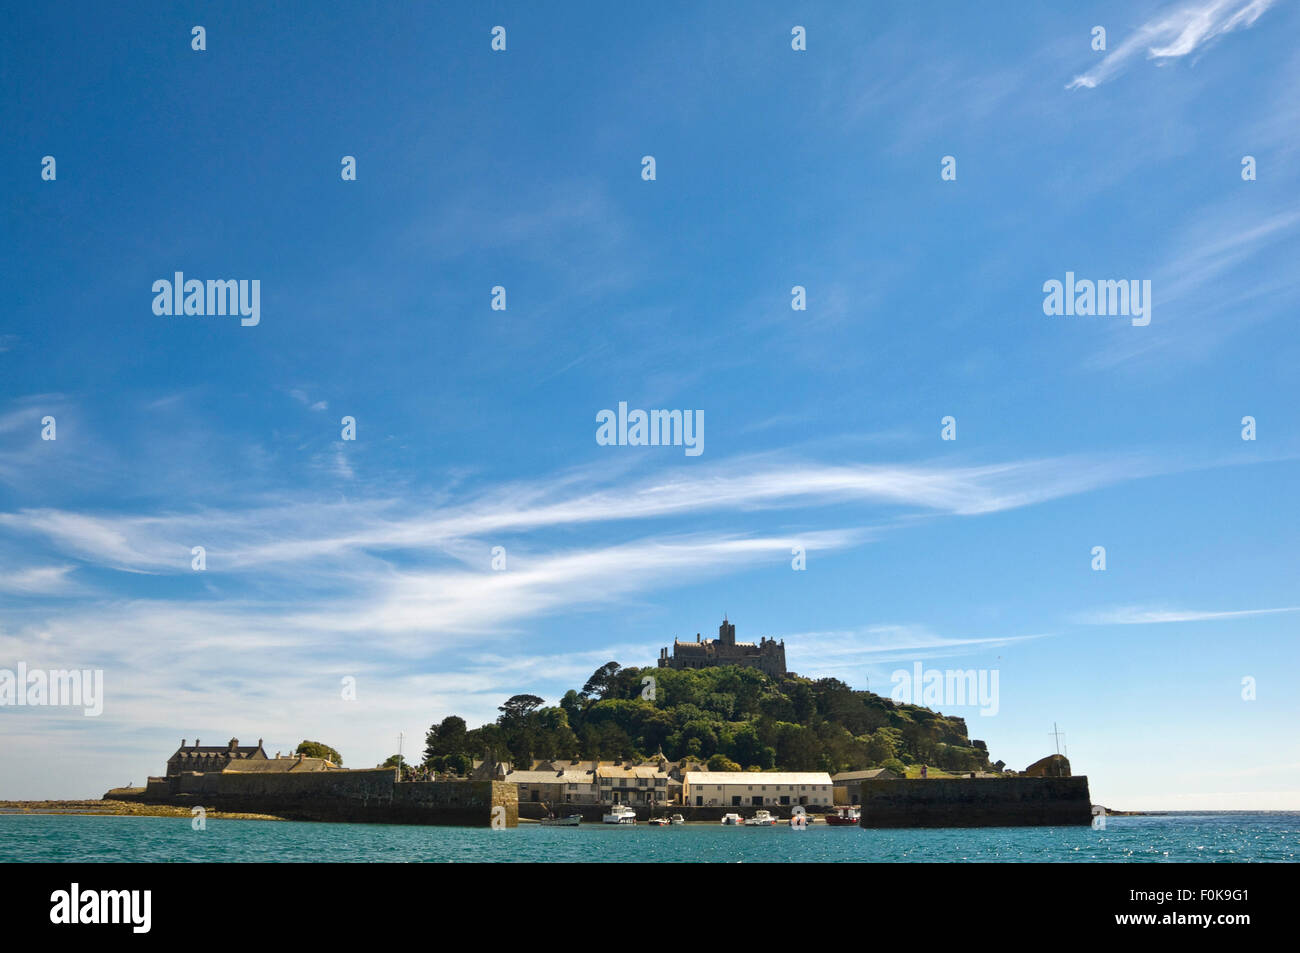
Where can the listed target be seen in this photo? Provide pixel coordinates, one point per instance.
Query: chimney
(182, 742)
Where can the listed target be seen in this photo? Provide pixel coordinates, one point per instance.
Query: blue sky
(476, 428)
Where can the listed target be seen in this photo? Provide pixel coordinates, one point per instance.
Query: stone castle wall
(976, 802)
(367, 795)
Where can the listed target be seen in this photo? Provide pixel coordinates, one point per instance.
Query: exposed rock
(1053, 766)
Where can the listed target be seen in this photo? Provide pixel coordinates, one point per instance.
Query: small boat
(799, 821)
(620, 815)
(573, 820)
(761, 819)
(676, 819)
(658, 822)
(844, 817)
(731, 820)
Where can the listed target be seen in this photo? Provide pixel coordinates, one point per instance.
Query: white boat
(573, 820)
(761, 819)
(620, 814)
(799, 821)
(731, 820)
(676, 819)
(658, 822)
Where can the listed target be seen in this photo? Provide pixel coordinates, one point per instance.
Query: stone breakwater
(372, 796)
(977, 802)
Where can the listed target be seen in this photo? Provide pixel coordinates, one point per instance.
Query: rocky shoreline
(119, 809)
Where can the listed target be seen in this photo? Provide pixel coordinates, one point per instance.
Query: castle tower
(726, 633)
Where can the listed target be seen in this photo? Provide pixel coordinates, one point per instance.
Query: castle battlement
(767, 655)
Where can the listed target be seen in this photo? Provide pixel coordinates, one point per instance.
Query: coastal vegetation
(316, 749)
(729, 717)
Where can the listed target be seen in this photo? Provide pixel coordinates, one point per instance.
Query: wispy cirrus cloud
(1175, 34)
(1136, 615)
(1224, 273)
(841, 650)
(287, 530)
(37, 580)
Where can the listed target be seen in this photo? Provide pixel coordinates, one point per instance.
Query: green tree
(746, 748)
(397, 761)
(457, 764)
(598, 685)
(315, 749)
(446, 737)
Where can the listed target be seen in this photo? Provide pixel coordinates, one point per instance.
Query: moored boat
(844, 817)
(658, 822)
(572, 820)
(761, 818)
(677, 819)
(731, 820)
(619, 814)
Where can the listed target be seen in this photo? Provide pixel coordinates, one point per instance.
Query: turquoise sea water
(1218, 837)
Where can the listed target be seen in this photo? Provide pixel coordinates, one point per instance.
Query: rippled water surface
(1216, 837)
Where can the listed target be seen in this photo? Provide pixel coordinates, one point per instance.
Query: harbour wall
(363, 796)
(976, 802)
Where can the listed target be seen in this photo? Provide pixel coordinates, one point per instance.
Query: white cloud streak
(1134, 615)
(289, 531)
(1175, 34)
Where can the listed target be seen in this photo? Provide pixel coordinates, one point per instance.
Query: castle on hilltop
(768, 656)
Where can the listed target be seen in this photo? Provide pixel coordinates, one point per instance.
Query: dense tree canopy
(737, 718)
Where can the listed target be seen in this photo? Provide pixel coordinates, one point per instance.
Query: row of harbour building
(662, 782)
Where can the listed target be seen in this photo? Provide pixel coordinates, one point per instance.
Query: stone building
(768, 655)
(199, 757)
(563, 781)
(629, 783)
(556, 782)
(757, 788)
(848, 784)
(282, 764)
